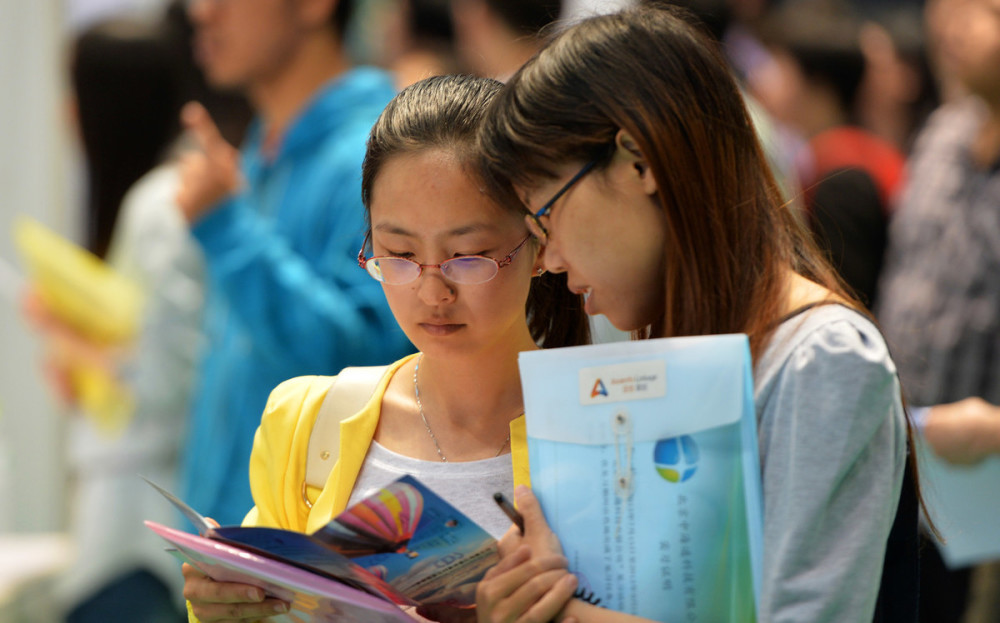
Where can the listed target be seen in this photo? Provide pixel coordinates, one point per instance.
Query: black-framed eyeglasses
(467, 269)
(534, 220)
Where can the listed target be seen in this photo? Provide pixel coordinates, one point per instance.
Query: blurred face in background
(970, 45)
(241, 44)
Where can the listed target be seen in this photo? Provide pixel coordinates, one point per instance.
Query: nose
(433, 288)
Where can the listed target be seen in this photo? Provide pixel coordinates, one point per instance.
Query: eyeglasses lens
(471, 270)
(397, 270)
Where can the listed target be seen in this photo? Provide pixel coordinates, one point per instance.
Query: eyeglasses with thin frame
(467, 269)
(534, 219)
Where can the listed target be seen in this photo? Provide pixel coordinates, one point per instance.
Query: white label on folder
(636, 380)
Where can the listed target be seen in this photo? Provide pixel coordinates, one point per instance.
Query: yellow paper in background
(91, 297)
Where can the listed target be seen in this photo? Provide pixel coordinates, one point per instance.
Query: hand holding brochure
(403, 546)
(643, 456)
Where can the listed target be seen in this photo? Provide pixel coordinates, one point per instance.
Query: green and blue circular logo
(676, 459)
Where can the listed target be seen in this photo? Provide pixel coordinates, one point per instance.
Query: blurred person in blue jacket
(279, 224)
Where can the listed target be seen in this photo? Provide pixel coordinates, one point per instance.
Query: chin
(631, 320)
(223, 79)
(624, 324)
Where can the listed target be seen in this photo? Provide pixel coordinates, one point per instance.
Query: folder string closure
(621, 424)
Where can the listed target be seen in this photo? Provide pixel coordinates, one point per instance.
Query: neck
(476, 391)
(279, 98)
(800, 292)
(986, 148)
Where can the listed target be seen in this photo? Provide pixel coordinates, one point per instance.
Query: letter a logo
(598, 390)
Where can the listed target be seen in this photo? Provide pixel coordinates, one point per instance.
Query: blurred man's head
(970, 46)
(243, 43)
(494, 37)
(816, 61)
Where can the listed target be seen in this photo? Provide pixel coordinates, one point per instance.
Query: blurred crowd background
(91, 97)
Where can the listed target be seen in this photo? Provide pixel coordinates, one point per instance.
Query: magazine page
(419, 543)
(403, 544)
(310, 554)
(313, 598)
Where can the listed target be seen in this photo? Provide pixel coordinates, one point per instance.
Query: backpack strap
(349, 392)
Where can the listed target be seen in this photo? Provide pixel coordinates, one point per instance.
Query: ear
(627, 150)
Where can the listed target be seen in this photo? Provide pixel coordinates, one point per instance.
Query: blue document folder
(644, 458)
(964, 501)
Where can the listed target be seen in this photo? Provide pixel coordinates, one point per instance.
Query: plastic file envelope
(644, 458)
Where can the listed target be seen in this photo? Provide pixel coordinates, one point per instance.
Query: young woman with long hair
(630, 145)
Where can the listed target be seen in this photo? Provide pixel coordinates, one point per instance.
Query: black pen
(510, 511)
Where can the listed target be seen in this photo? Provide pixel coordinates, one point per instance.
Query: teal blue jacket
(285, 295)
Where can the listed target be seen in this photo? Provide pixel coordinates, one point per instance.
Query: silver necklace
(420, 407)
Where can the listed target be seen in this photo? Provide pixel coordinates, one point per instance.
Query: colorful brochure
(402, 546)
(644, 458)
(312, 597)
(77, 286)
(98, 302)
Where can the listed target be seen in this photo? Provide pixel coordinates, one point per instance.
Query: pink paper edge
(274, 572)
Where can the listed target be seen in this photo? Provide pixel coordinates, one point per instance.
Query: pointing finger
(197, 121)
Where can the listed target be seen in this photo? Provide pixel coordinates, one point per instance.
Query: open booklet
(402, 546)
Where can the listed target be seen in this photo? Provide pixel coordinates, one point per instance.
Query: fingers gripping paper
(644, 458)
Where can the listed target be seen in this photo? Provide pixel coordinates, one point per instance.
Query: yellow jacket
(278, 460)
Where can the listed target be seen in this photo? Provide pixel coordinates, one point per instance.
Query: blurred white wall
(39, 177)
(33, 181)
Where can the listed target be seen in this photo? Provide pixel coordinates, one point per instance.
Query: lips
(440, 328)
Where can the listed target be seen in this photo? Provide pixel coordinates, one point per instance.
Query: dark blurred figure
(898, 91)
(418, 40)
(496, 37)
(939, 299)
(114, 66)
(851, 178)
